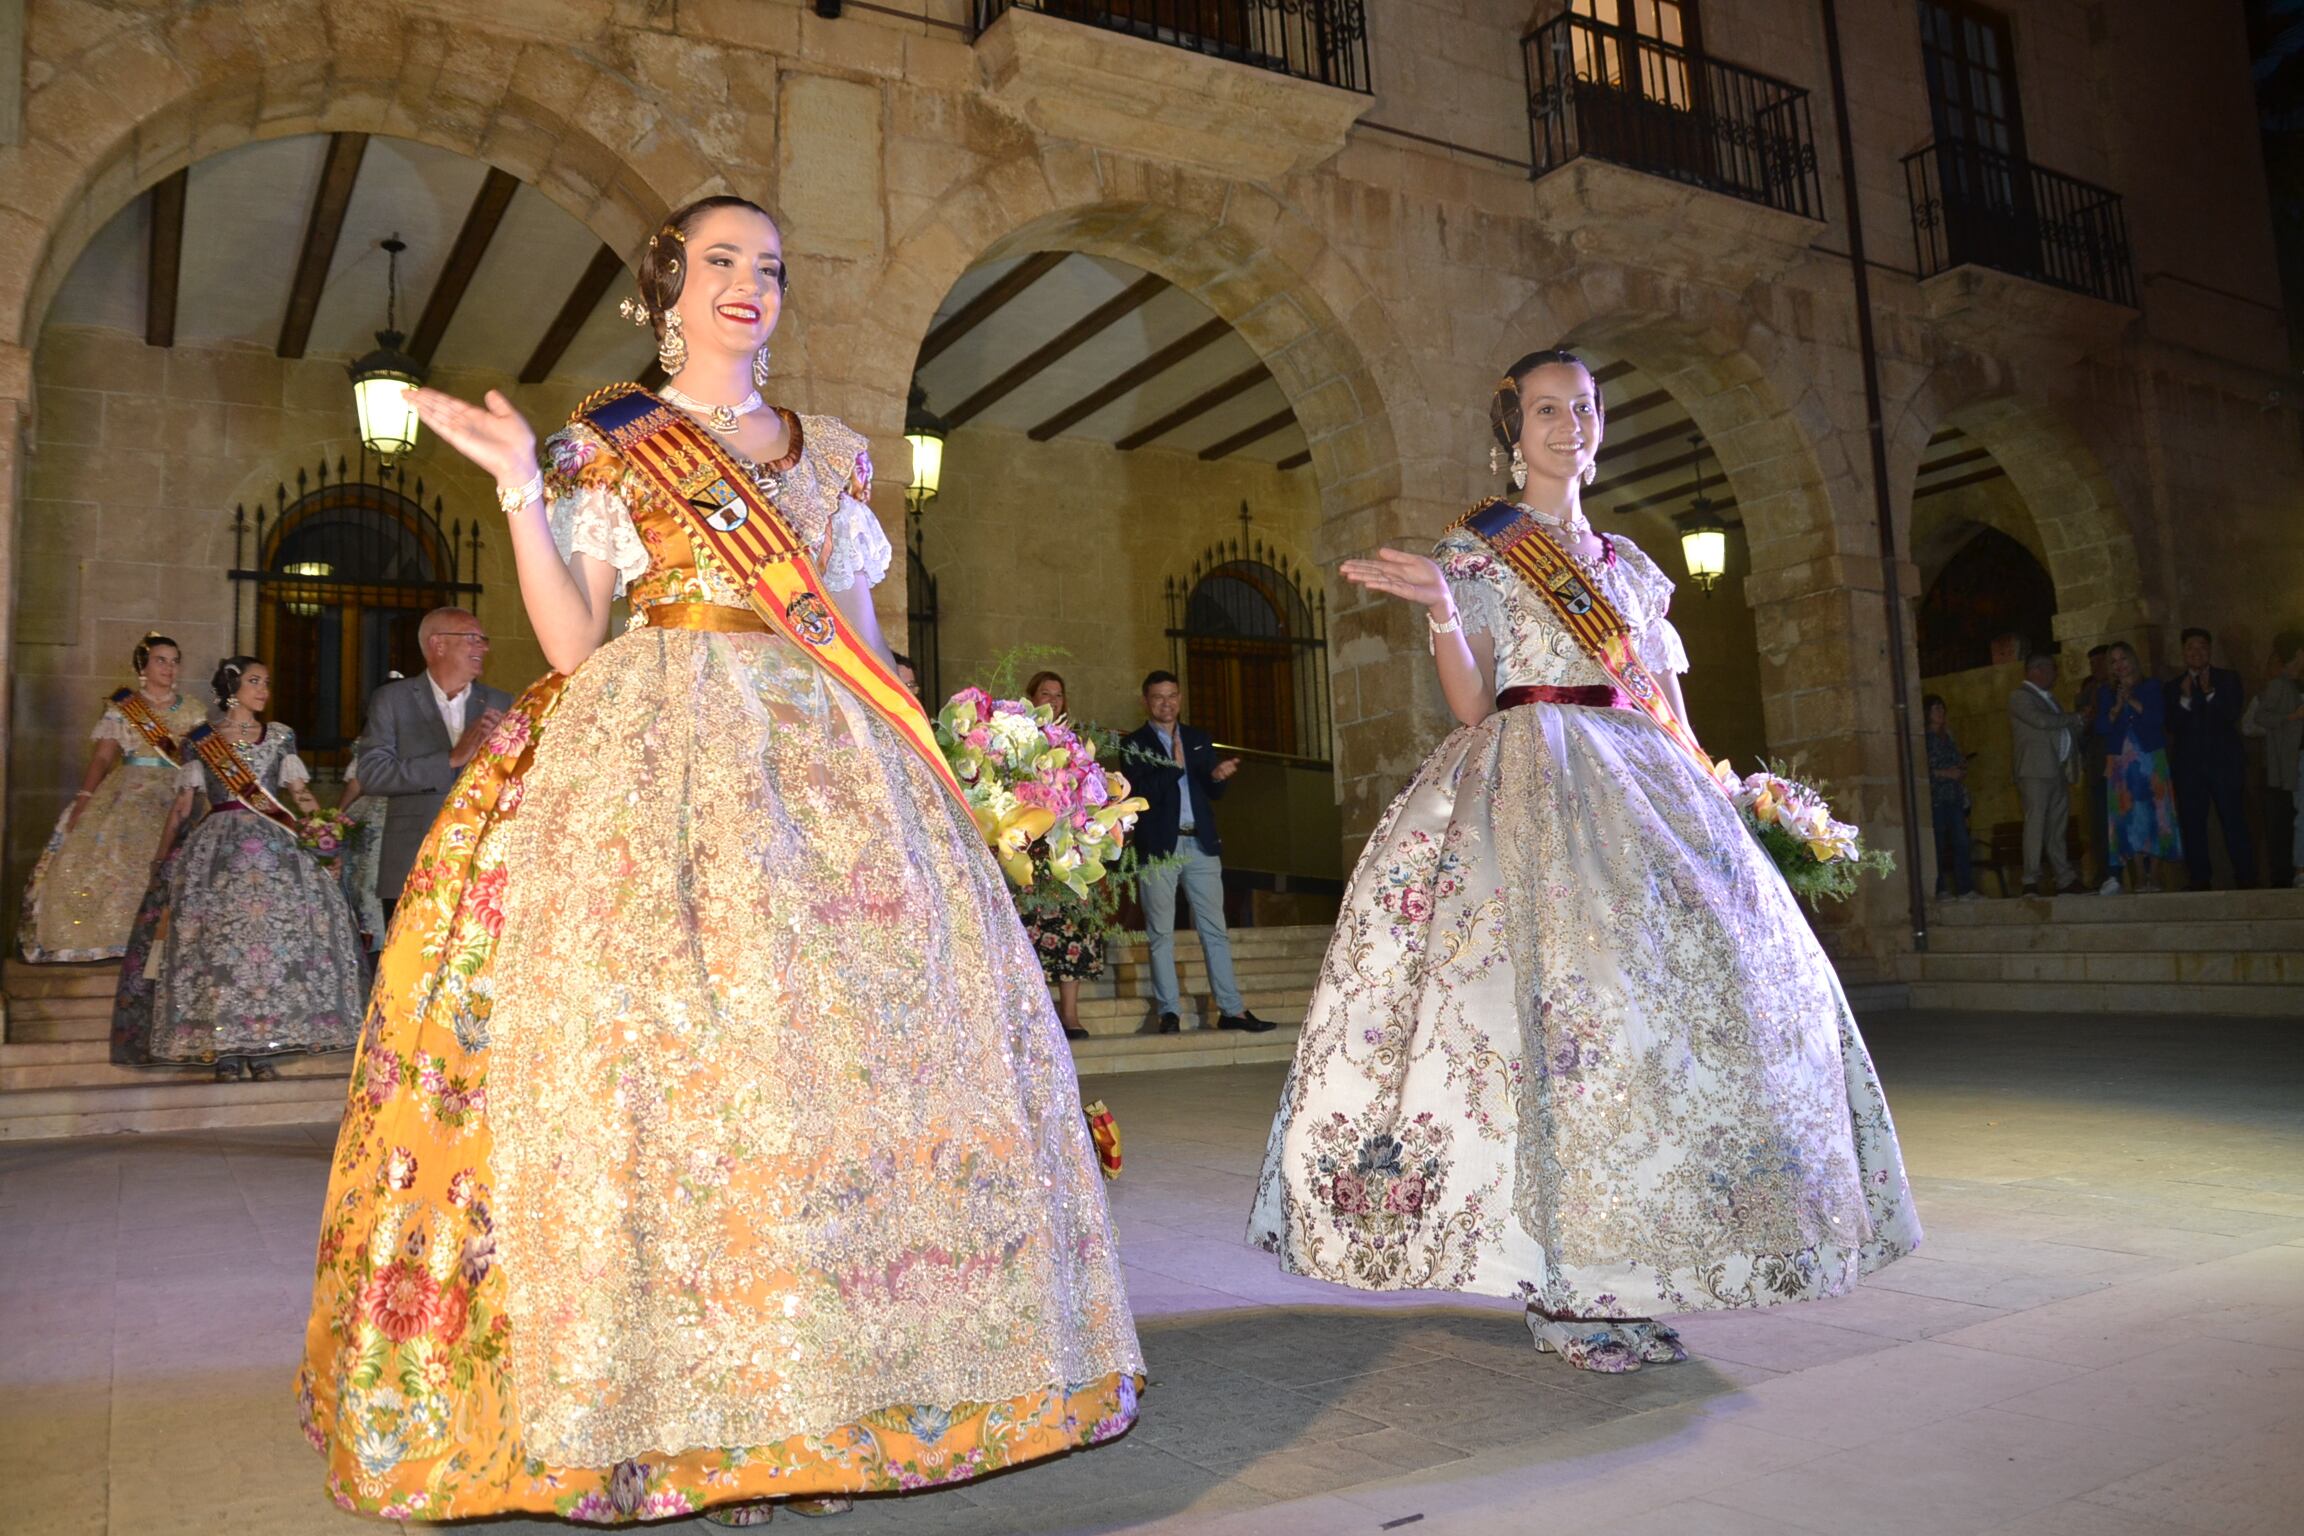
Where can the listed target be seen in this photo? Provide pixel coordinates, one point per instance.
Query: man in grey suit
(421, 732)
(2045, 738)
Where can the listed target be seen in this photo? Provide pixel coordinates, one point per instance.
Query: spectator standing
(1064, 936)
(2093, 749)
(1948, 802)
(2210, 761)
(2276, 715)
(1175, 768)
(2140, 800)
(421, 732)
(2044, 741)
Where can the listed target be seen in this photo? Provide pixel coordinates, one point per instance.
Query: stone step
(2097, 997)
(2144, 966)
(1132, 980)
(1246, 942)
(1192, 1048)
(201, 1104)
(23, 981)
(32, 1008)
(2166, 907)
(1124, 1015)
(89, 1026)
(88, 1064)
(2235, 936)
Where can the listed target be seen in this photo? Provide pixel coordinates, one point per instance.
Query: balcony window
(1322, 40)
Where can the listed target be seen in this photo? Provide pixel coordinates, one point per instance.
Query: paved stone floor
(2104, 1336)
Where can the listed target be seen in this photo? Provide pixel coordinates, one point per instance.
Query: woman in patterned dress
(2139, 793)
(86, 887)
(1573, 1040)
(244, 951)
(712, 1141)
(1069, 951)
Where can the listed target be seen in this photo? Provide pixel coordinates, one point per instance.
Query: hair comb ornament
(635, 311)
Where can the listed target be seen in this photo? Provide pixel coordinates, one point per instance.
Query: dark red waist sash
(1595, 696)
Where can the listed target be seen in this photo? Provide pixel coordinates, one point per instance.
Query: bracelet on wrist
(1454, 626)
(512, 500)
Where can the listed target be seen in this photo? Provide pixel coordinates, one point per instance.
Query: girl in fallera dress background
(712, 1141)
(1574, 1040)
(89, 881)
(244, 952)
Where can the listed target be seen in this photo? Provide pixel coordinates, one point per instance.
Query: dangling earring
(672, 346)
(1495, 459)
(760, 369)
(1590, 474)
(1519, 469)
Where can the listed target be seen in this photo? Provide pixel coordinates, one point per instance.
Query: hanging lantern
(1703, 537)
(379, 380)
(924, 430)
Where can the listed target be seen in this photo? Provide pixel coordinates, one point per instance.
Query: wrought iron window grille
(1320, 40)
(1248, 635)
(1975, 205)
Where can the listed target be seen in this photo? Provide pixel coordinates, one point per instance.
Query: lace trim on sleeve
(588, 513)
(1660, 648)
(1470, 569)
(292, 769)
(855, 546)
(114, 727)
(192, 775)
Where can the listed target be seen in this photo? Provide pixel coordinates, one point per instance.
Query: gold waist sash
(714, 618)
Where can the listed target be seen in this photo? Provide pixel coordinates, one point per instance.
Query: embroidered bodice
(179, 719)
(1532, 648)
(601, 507)
(273, 760)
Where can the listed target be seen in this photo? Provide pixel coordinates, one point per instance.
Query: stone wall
(1382, 270)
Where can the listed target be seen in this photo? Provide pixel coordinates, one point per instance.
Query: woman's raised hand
(491, 434)
(1415, 578)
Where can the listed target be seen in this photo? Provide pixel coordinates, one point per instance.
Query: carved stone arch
(130, 111)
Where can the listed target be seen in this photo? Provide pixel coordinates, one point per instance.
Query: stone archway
(1278, 283)
(2083, 530)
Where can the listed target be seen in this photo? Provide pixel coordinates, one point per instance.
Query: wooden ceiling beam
(1199, 405)
(164, 260)
(1961, 482)
(487, 211)
(1158, 363)
(989, 303)
(339, 173)
(1681, 492)
(1682, 430)
(582, 299)
(1295, 460)
(1246, 435)
(1091, 325)
(1950, 461)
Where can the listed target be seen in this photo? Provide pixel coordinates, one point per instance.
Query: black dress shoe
(1074, 1034)
(1245, 1020)
(1166, 1024)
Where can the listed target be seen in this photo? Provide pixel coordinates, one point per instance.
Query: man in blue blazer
(1174, 766)
(2208, 761)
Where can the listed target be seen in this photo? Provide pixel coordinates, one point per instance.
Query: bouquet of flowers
(1818, 856)
(326, 834)
(1048, 808)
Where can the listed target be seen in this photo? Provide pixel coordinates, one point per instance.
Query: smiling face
(1050, 693)
(2124, 666)
(1560, 421)
(1163, 702)
(160, 664)
(2196, 653)
(733, 293)
(255, 690)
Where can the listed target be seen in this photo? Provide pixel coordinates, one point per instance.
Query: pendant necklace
(720, 418)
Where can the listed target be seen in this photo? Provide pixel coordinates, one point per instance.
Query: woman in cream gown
(1573, 1040)
(712, 1140)
(90, 878)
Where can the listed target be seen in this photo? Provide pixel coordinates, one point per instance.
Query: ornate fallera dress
(713, 1138)
(243, 948)
(89, 881)
(1573, 1039)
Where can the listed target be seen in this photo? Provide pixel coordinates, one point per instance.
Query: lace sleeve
(292, 769)
(585, 501)
(854, 547)
(1470, 568)
(1653, 635)
(114, 727)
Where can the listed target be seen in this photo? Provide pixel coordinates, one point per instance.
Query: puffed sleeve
(114, 727)
(292, 769)
(585, 501)
(855, 547)
(191, 775)
(1474, 580)
(1653, 635)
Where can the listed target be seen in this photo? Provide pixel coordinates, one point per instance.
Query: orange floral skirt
(405, 1386)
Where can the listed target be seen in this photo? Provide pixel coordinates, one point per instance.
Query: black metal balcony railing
(1973, 204)
(1323, 40)
(1614, 95)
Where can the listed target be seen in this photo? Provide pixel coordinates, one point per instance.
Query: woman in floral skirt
(2139, 793)
(712, 1141)
(1573, 1041)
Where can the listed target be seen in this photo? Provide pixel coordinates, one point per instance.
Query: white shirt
(2063, 738)
(451, 709)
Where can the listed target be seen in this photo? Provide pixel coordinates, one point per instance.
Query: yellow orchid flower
(1013, 838)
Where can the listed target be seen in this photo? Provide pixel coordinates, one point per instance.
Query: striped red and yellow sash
(224, 760)
(1582, 608)
(725, 511)
(138, 713)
